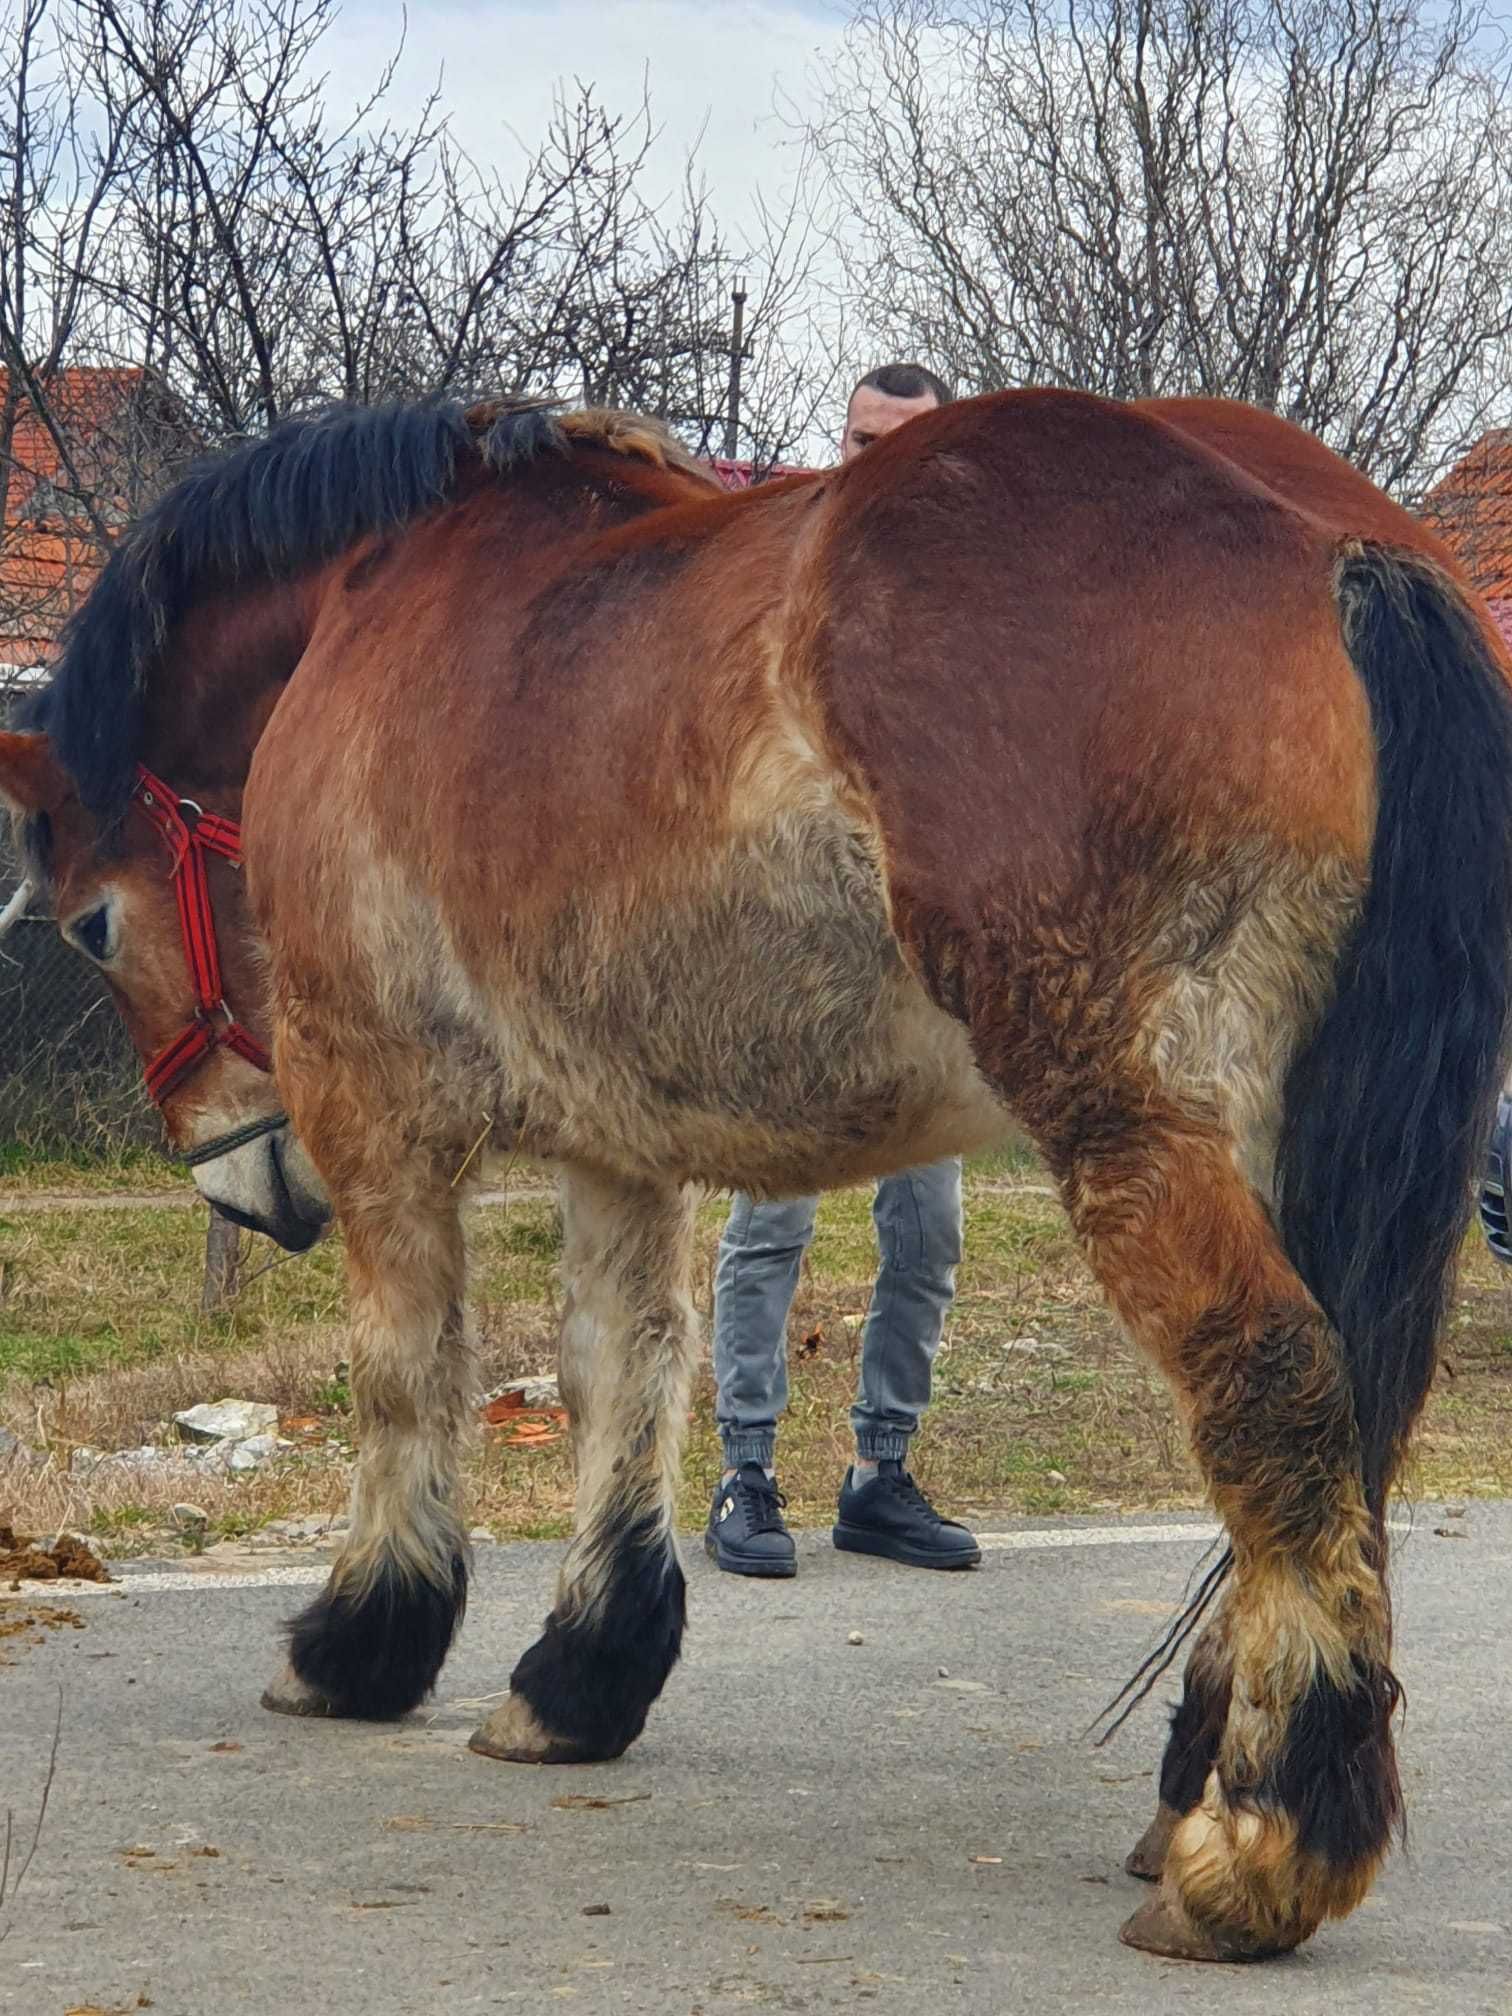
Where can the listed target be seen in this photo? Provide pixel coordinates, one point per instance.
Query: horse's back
(1301, 469)
(1000, 610)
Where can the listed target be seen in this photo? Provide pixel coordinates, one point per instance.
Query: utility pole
(737, 357)
(222, 1265)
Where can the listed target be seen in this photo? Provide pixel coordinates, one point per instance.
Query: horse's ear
(31, 779)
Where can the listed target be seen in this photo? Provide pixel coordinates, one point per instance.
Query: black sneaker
(891, 1516)
(746, 1534)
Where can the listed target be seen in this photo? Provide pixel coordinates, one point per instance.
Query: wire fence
(70, 1082)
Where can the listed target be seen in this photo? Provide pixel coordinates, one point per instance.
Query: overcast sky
(723, 62)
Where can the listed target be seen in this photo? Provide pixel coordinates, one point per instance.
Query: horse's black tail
(1388, 1107)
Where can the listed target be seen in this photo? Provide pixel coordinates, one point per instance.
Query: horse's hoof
(1162, 1926)
(513, 1733)
(289, 1695)
(1147, 1857)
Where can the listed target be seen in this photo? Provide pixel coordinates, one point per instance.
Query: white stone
(1034, 1347)
(540, 1391)
(226, 1421)
(310, 1526)
(149, 1458)
(854, 1638)
(190, 1518)
(252, 1453)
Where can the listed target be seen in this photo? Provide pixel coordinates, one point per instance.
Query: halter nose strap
(191, 834)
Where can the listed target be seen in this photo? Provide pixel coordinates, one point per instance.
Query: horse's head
(126, 784)
(154, 900)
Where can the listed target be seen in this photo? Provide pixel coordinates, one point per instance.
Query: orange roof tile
(84, 400)
(740, 475)
(48, 557)
(1471, 510)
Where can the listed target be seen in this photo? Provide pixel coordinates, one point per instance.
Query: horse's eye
(91, 933)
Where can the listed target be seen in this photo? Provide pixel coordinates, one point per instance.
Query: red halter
(191, 835)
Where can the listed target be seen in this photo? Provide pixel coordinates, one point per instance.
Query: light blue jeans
(918, 1219)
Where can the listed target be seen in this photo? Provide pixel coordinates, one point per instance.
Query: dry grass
(124, 1171)
(101, 1341)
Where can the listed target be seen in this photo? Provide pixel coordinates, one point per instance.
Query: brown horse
(1041, 764)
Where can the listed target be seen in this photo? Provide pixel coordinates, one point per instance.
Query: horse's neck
(229, 662)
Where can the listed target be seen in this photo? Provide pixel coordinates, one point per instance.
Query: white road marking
(1032, 1540)
(152, 1580)
(305, 1576)
(1036, 1538)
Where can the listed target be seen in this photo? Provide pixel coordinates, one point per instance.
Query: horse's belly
(760, 1028)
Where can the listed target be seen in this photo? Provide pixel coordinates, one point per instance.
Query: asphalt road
(806, 1825)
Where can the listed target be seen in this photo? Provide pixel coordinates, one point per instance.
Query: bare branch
(1302, 203)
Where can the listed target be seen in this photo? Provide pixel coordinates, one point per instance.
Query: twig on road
(10, 1885)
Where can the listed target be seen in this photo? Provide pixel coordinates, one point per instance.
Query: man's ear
(31, 779)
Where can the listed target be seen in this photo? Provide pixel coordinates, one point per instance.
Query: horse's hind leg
(373, 1642)
(1190, 1747)
(1284, 1774)
(629, 1341)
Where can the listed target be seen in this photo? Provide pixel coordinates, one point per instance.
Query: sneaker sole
(862, 1540)
(765, 1571)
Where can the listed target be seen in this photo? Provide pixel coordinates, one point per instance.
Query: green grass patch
(101, 1339)
(80, 1172)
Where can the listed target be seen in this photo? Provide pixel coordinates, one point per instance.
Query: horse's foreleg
(629, 1339)
(373, 1642)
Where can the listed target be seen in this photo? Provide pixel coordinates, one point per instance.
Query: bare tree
(55, 191)
(1302, 203)
(197, 238)
(271, 256)
(181, 197)
(649, 323)
(54, 188)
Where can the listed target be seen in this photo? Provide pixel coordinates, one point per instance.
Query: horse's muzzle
(268, 1185)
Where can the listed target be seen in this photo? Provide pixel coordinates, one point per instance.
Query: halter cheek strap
(191, 835)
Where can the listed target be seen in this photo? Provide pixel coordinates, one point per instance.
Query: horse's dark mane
(270, 510)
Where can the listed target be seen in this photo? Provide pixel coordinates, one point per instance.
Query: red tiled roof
(739, 476)
(49, 557)
(84, 401)
(44, 576)
(1471, 510)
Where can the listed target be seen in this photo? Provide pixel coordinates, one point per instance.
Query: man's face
(872, 413)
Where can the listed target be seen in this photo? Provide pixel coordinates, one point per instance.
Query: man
(884, 399)
(918, 1220)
